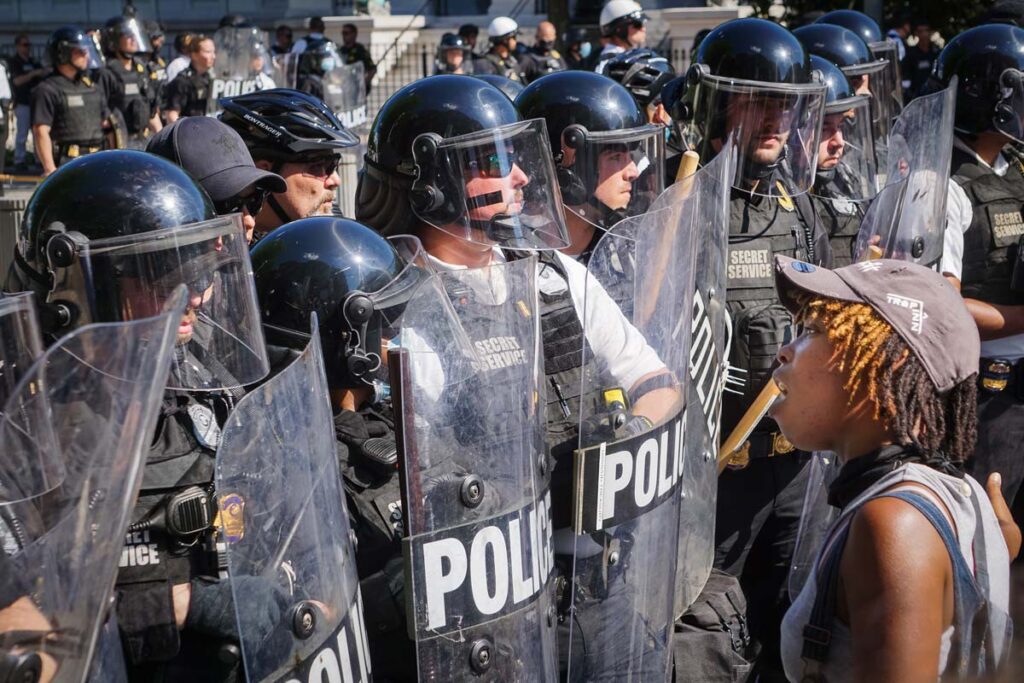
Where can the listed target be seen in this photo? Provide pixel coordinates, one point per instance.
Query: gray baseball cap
(922, 307)
(214, 154)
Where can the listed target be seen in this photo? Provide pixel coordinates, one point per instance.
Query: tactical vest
(507, 67)
(79, 120)
(134, 99)
(759, 229)
(200, 86)
(990, 244)
(840, 217)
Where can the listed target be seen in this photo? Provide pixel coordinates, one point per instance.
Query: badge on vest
(204, 425)
(76, 101)
(230, 519)
(785, 201)
(131, 88)
(844, 206)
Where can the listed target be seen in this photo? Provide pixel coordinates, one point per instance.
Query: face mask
(545, 45)
(584, 50)
(327, 64)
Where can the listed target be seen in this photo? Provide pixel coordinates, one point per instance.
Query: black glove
(212, 609)
(370, 442)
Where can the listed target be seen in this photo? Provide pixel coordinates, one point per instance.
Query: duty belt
(760, 445)
(997, 375)
(75, 151)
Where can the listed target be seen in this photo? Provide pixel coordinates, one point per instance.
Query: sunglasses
(493, 165)
(321, 168)
(253, 203)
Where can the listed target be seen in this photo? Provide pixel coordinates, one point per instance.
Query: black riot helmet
(506, 85)
(596, 129)
(124, 27)
(839, 94)
(989, 63)
(110, 236)
(841, 46)
(452, 152)
(642, 71)
(356, 281)
(63, 41)
(752, 85)
(847, 143)
(283, 124)
(858, 22)
(453, 42)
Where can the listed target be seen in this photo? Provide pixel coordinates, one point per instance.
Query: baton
(34, 179)
(757, 410)
(873, 253)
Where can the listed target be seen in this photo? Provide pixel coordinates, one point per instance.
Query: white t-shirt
(616, 344)
(959, 215)
(177, 65)
(300, 45)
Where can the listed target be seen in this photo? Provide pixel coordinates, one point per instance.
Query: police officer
(500, 58)
(624, 26)
(319, 59)
(603, 178)
(542, 58)
(353, 52)
(68, 109)
(464, 228)
(917, 65)
(453, 56)
(760, 500)
(155, 62)
(579, 51)
(135, 97)
(297, 137)
(340, 260)
(990, 195)
(188, 93)
(176, 618)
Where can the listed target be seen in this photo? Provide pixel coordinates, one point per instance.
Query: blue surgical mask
(327, 64)
(585, 50)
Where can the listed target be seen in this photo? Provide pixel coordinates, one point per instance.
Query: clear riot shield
(816, 518)
(20, 341)
(702, 202)
(285, 70)
(74, 434)
(628, 470)
(243, 64)
(345, 93)
(907, 219)
(475, 476)
(282, 517)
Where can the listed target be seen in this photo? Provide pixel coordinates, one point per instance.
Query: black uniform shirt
(48, 105)
(20, 67)
(188, 92)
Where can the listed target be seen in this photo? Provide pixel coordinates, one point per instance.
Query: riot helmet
(846, 146)
(641, 71)
(506, 85)
(282, 124)
(752, 84)
(618, 16)
(452, 152)
(610, 160)
(865, 71)
(64, 41)
(242, 53)
(121, 33)
(108, 238)
(356, 282)
(320, 57)
(989, 63)
(453, 55)
(881, 47)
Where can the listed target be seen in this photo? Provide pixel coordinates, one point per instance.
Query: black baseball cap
(214, 154)
(920, 305)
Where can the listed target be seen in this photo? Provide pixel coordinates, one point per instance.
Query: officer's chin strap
(827, 174)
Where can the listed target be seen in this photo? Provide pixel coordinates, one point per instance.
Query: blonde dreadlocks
(880, 367)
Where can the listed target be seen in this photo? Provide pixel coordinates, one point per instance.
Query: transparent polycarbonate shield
(74, 435)
(495, 187)
(285, 69)
(890, 87)
(133, 29)
(96, 60)
(243, 64)
(847, 151)
(776, 128)
(345, 93)
(220, 339)
(1009, 115)
(907, 220)
(611, 175)
(702, 201)
(282, 517)
(816, 518)
(628, 470)
(21, 342)
(470, 427)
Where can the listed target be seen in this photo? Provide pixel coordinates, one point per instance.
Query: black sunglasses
(493, 165)
(253, 203)
(323, 167)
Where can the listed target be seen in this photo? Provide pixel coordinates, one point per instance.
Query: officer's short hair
(197, 40)
(316, 24)
(350, 27)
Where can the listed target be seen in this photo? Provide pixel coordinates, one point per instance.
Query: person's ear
(263, 165)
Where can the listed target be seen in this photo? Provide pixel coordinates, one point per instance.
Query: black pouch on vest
(712, 642)
(1017, 271)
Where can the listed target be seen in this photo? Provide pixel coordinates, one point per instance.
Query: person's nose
(518, 178)
(631, 172)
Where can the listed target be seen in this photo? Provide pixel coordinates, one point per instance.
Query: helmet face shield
(495, 187)
(891, 86)
(128, 32)
(847, 147)
(20, 341)
(1008, 117)
(610, 175)
(775, 127)
(220, 342)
